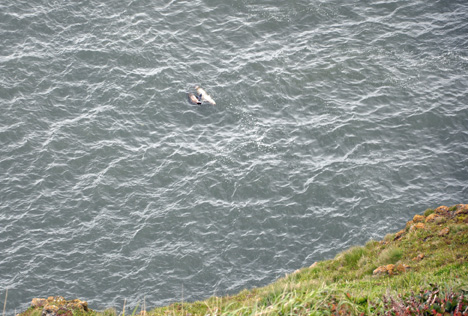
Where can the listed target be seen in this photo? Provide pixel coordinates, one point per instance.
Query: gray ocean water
(336, 121)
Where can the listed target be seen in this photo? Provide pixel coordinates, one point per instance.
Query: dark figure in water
(194, 99)
(200, 97)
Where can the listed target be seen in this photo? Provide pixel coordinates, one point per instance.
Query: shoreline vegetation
(420, 270)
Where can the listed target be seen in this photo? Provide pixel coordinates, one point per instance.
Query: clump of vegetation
(429, 302)
(353, 256)
(428, 212)
(390, 255)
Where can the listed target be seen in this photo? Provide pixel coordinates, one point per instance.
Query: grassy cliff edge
(420, 270)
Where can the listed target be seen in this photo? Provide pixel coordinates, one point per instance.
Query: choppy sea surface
(336, 121)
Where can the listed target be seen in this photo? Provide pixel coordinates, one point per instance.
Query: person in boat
(195, 99)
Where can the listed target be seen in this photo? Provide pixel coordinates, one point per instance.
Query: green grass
(353, 256)
(390, 255)
(428, 212)
(346, 284)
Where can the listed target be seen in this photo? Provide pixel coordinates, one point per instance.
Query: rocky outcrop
(439, 216)
(462, 209)
(391, 269)
(450, 212)
(399, 234)
(417, 226)
(57, 305)
(432, 217)
(442, 210)
(444, 232)
(418, 257)
(418, 219)
(38, 302)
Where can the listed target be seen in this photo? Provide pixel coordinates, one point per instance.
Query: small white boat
(203, 96)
